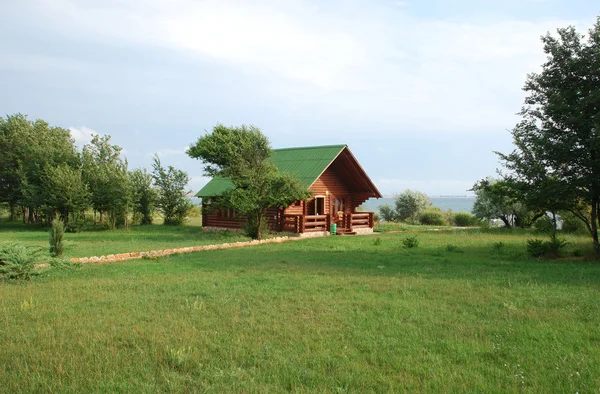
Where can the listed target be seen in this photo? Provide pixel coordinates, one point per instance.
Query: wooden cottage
(334, 177)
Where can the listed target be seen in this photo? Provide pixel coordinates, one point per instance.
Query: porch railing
(310, 223)
(305, 223)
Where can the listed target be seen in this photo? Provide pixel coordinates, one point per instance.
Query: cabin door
(320, 206)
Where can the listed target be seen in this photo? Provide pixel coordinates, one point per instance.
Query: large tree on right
(557, 141)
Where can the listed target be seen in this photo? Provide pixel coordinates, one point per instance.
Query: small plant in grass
(546, 249)
(18, 261)
(377, 242)
(63, 264)
(178, 357)
(57, 232)
(411, 242)
(452, 248)
(498, 247)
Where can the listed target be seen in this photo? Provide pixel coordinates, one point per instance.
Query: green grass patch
(104, 242)
(328, 315)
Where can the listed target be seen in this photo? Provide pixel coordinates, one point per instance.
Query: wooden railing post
(301, 220)
(371, 220)
(328, 224)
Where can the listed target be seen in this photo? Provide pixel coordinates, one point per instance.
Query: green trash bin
(333, 228)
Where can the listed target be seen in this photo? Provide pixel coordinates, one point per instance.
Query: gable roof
(306, 163)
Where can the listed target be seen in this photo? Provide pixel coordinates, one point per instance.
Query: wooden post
(371, 219)
(328, 223)
(301, 226)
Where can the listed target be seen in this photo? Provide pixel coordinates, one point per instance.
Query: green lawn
(356, 314)
(136, 239)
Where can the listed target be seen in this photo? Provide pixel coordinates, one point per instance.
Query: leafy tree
(106, 174)
(64, 191)
(242, 154)
(496, 199)
(558, 139)
(143, 195)
(410, 204)
(387, 212)
(29, 149)
(172, 199)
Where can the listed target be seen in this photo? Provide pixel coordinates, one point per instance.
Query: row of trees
(43, 174)
(555, 166)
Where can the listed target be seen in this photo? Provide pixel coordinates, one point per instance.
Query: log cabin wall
(331, 182)
(213, 217)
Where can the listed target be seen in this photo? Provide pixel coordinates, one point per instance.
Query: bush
(433, 217)
(411, 242)
(546, 249)
(544, 225)
(78, 224)
(463, 219)
(57, 232)
(18, 261)
(387, 212)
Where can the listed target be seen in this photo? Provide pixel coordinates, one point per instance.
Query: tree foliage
(557, 143)
(410, 204)
(242, 154)
(106, 174)
(143, 195)
(497, 199)
(171, 201)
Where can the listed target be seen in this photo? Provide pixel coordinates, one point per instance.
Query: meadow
(135, 239)
(465, 311)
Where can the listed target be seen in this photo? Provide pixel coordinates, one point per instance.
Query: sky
(422, 92)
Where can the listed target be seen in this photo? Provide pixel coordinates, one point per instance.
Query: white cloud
(82, 135)
(170, 152)
(371, 63)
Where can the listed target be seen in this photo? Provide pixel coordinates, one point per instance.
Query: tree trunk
(259, 227)
(30, 218)
(594, 223)
(506, 222)
(24, 212)
(554, 226)
(13, 211)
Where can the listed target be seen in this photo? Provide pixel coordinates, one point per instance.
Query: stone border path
(166, 252)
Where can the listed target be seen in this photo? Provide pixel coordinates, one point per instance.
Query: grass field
(459, 313)
(136, 239)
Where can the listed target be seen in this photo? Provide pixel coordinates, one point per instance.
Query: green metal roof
(307, 164)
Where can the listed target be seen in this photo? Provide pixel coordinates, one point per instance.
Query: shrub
(543, 225)
(387, 212)
(57, 231)
(18, 261)
(546, 249)
(463, 219)
(498, 246)
(433, 217)
(411, 242)
(410, 204)
(452, 248)
(77, 225)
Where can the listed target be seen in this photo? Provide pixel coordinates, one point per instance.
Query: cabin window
(297, 203)
(337, 205)
(229, 213)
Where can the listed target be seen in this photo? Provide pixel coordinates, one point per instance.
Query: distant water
(456, 204)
